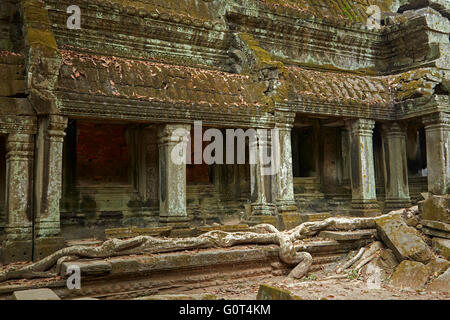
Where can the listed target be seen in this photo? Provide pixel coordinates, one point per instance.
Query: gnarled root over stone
(260, 234)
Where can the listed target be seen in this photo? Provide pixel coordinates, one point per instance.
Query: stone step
(349, 235)
(131, 232)
(83, 242)
(35, 294)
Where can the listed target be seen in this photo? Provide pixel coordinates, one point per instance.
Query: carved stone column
(173, 139)
(362, 172)
(261, 178)
(395, 167)
(17, 245)
(285, 199)
(437, 128)
(48, 185)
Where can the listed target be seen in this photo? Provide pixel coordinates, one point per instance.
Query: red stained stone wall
(197, 173)
(102, 153)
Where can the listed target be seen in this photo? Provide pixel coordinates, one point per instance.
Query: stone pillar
(362, 172)
(261, 179)
(395, 167)
(48, 185)
(173, 139)
(437, 128)
(17, 245)
(285, 199)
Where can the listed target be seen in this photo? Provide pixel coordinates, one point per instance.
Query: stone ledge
(442, 226)
(35, 294)
(436, 233)
(349, 235)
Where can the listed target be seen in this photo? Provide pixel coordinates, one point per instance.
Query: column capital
(284, 120)
(393, 129)
(19, 146)
(56, 127)
(173, 133)
(441, 119)
(360, 126)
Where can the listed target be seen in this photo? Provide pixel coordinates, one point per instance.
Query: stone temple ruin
(87, 115)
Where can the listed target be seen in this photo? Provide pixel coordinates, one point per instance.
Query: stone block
(226, 228)
(404, 241)
(88, 268)
(35, 294)
(438, 266)
(441, 283)
(131, 232)
(267, 292)
(16, 251)
(436, 233)
(436, 208)
(438, 225)
(387, 260)
(442, 247)
(410, 274)
(348, 235)
(44, 247)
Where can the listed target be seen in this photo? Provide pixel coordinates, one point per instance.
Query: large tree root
(260, 234)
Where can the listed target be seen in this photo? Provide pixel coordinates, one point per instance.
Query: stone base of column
(263, 209)
(254, 220)
(16, 251)
(176, 222)
(291, 219)
(391, 205)
(44, 247)
(47, 229)
(287, 206)
(365, 208)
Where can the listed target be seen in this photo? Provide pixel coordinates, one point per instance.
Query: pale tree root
(303, 266)
(260, 234)
(363, 257)
(352, 261)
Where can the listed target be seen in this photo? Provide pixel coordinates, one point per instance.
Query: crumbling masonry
(87, 115)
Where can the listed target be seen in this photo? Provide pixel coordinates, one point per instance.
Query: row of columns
(40, 174)
(271, 193)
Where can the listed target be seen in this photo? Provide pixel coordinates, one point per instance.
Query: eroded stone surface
(442, 247)
(410, 274)
(404, 241)
(442, 283)
(267, 292)
(36, 294)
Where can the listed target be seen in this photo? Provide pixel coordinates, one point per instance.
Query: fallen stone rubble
(397, 248)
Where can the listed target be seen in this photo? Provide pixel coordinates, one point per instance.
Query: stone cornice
(79, 106)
